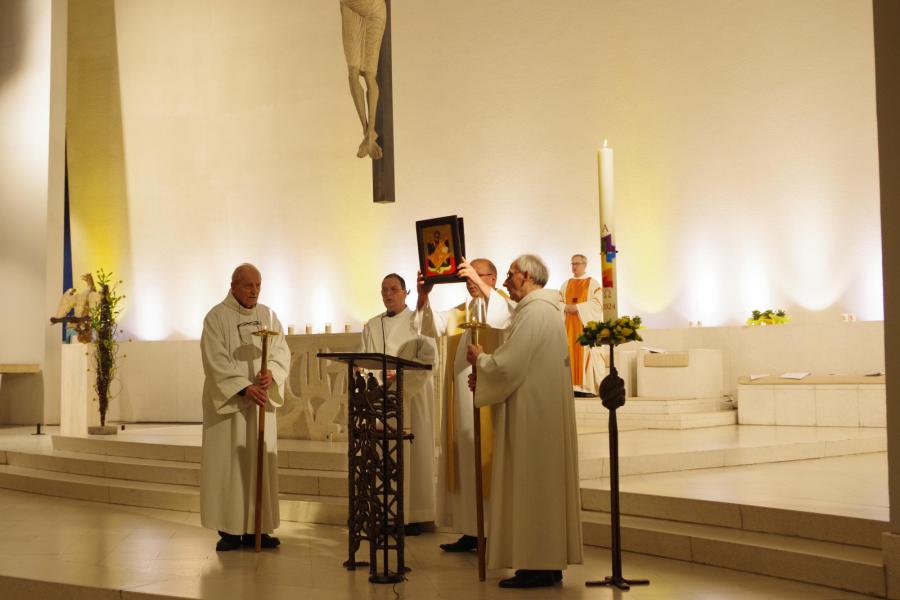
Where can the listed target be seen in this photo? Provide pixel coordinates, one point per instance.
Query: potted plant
(103, 320)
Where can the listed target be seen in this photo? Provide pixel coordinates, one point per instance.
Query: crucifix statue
(365, 30)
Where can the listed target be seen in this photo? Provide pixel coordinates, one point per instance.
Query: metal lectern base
(389, 577)
(617, 582)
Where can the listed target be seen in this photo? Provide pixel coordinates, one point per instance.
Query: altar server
(233, 390)
(582, 300)
(535, 523)
(456, 466)
(396, 332)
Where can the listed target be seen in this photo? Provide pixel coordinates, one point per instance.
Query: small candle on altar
(308, 328)
(346, 327)
(290, 330)
(327, 327)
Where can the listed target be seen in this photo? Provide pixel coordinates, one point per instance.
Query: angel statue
(81, 303)
(362, 29)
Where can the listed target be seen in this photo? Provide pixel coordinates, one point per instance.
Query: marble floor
(54, 548)
(852, 486)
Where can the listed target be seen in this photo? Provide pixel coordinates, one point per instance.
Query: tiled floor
(853, 486)
(152, 553)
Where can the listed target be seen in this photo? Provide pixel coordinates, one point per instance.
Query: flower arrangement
(612, 333)
(768, 317)
(106, 346)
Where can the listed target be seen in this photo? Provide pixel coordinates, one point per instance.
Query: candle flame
(604, 143)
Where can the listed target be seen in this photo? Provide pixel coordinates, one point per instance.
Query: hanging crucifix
(366, 32)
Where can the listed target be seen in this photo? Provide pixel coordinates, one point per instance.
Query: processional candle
(607, 232)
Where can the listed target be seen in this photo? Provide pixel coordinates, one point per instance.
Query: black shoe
(412, 529)
(228, 542)
(466, 543)
(525, 578)
(266, 541)
(557, 575)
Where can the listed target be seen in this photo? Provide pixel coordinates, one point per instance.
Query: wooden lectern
(375, 439)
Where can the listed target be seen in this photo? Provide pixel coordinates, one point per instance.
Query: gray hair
(236, 274)
(581, 256)
(534, 266)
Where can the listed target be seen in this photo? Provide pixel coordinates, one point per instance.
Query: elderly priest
(535, 525)
(233, 390)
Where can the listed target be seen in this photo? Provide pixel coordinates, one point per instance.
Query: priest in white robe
(581, 298)
(535, 507)
(455, 494)
(396, 332)
(233, 390)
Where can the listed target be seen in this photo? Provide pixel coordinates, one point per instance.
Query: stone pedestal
(78, 413)
(74, 403)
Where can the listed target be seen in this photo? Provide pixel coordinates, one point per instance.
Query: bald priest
(234, 388)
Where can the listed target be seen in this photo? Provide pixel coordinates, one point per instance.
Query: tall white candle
(607, 232)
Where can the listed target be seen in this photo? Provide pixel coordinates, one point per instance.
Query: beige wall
(24, 135)
(744, 133)
(32, 146)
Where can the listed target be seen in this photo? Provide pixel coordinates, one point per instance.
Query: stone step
(632, 421)
(329, 510)
(654, 406)
(292, 481)
(293, 454)
(840, 566)
(593, 452)
(840, 529)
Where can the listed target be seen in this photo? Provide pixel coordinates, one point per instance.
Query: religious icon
(441, 248)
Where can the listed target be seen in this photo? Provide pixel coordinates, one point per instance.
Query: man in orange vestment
(582, 297)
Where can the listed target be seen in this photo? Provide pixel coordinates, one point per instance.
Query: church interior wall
(32, 109)
(746, 166)
(746, 169)
(24, 131)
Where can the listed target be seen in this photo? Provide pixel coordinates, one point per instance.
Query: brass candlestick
(265, 334)
(476, 321)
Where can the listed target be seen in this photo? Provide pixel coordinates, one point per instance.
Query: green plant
(103, 320)
(768, 317)
(612, 333)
